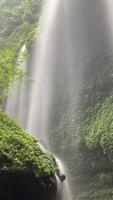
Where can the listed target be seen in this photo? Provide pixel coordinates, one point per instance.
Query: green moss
(20, 152)
(26, 172)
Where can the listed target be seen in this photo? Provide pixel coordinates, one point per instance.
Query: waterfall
(57, 68)
(63, 189)
(54, 60)
(43, 62)
(16, 102)
(72, 33)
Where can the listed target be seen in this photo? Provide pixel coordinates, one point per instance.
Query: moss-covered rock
(26, 173)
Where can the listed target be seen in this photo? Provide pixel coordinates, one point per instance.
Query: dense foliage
(18, 26)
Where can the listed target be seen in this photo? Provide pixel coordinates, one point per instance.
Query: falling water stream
(63, 188)
(71, 32)
(15, 105)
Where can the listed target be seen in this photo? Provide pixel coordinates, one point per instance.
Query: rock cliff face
(26, 172)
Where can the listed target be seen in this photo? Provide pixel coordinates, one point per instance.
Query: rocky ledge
(26, 172)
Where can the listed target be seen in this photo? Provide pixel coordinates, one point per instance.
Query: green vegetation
(21, 159)
(25, 171)
(84, 137)
(18, 26)
(20, 151)
(98, 195)
(100, 130)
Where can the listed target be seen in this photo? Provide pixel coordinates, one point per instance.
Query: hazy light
(109, 12)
